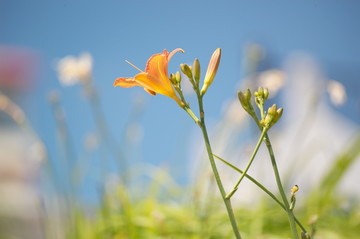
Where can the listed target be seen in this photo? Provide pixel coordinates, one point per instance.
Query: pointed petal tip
(173, 52)
(116, 82)
(178, 49)
(125, 82)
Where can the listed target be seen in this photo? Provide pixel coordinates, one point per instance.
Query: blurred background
(68, 136)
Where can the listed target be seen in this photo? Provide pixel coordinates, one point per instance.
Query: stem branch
(249, 163)
(281, 189)
(257, 183)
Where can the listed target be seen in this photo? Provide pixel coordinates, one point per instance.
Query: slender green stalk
(201, 124)
(289, 212)
(257, 183)
(192, 115)
(249, 163)
(219, 183)
(281, 189)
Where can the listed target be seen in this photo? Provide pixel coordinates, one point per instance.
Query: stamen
(131, 64)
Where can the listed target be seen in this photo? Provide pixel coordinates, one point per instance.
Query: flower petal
(146, 80)
(150, 91)
(155, 79)
(125, 82)
(157, 66)
(173, 52)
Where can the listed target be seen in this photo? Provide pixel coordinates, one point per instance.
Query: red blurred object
(18, 68)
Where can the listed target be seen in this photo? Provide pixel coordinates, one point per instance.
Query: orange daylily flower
(155, 79)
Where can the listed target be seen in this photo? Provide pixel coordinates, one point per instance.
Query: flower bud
(248, 95)
(173, 79)
(261, 95)
(186, 70)
(272, 110)
(260, 92)
(278, 115)
(196, 70)
(244, 99)
(258, 96)
(272, 116)
(294, 189)
(178, 77)
(293, 198)
(269, 117)
(211, 70)
(266, 94)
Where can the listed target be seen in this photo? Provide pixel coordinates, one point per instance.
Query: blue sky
(113, 31)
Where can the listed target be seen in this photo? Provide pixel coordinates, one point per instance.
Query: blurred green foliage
(182, 214)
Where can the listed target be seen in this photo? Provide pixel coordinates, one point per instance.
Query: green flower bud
(278, 115)
(261, 95)
(186, 70)
(248, 95)
(258, 96)
(269, 117)
(196, 70)
(272, 110)
(272, 116)
(244, 99)
(211, 70)
(260, 92)
(173, 79)
(178, 77)
(266, 94)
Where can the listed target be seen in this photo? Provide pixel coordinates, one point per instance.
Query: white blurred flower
(273, 80)
(37, 152)
(336, 92)
(73, 69)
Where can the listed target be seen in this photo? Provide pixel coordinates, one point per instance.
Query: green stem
(281, 189)
(257, 183)
(227, 201)
(249, 163)
(289, 212)
(192, 115)
(219, 183)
